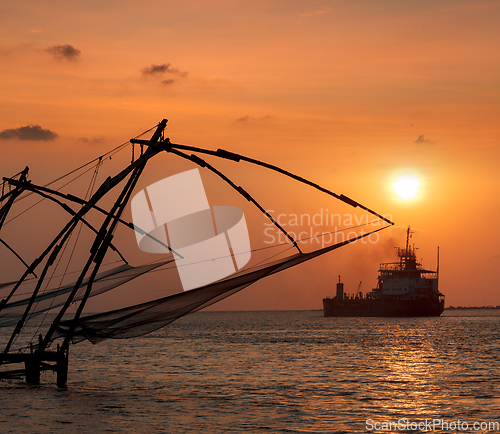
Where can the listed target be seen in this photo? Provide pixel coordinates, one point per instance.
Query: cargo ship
(404, 289)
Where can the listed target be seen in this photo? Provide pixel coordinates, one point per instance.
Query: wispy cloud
(317, 13)
(167, 82)
(21, 48)
(248, 118)
(472, 6)
(245, 119)
(64, 52)
(165, 68)
(93, 140)
(29, 132)
(422, 140)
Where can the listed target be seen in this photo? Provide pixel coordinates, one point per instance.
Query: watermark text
(428, 425)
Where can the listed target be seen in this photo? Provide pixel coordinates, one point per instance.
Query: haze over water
(281, 371)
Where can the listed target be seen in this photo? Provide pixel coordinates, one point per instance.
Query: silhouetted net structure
(56, 297)
(29, 297)
(147, 317)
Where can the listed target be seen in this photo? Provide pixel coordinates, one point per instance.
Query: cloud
(93, 140)
(421, 139)
(62, 52)
(29, 132)
(164, 68)
(167, 82)
(21, 48)
(316, 13)
(245, 119)
(248, 118)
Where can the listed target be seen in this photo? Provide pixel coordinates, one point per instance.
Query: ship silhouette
(404, 289)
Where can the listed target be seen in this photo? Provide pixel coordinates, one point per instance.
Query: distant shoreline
(471, 307)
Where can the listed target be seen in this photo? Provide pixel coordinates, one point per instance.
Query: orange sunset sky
(349, 94)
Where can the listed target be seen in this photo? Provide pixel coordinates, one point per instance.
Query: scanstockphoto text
(429, 425)
(322, 228)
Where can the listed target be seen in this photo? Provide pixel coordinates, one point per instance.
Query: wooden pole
(62, 366)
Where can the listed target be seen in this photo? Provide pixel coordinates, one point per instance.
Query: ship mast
(437, 270)
(408, 241)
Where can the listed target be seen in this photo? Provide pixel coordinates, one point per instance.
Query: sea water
(274, 372)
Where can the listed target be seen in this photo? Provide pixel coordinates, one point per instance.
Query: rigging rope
(41, 200)
(202, 163)
(89, 192)
(99, 160)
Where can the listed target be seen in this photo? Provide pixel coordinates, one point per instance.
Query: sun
(406, 186)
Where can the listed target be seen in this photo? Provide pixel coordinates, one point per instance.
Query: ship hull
(382, 308)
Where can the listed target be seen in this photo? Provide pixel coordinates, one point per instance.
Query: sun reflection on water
(409, 370)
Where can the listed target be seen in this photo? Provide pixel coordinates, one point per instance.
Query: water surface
(290, 372)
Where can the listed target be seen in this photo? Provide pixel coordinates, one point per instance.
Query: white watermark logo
(213, 242)
(311, 228)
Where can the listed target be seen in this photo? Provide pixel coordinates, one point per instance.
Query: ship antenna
(437, 271)
(407, 241)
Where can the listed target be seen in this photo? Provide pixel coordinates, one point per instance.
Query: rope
(41, 200)
(89, 192)
(99, 161)
(107, 155)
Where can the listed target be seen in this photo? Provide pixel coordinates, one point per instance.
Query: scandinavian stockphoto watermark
(322, 228)
(429, 425)
(210, 242)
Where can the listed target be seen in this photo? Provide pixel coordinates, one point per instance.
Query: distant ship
(404, 289)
